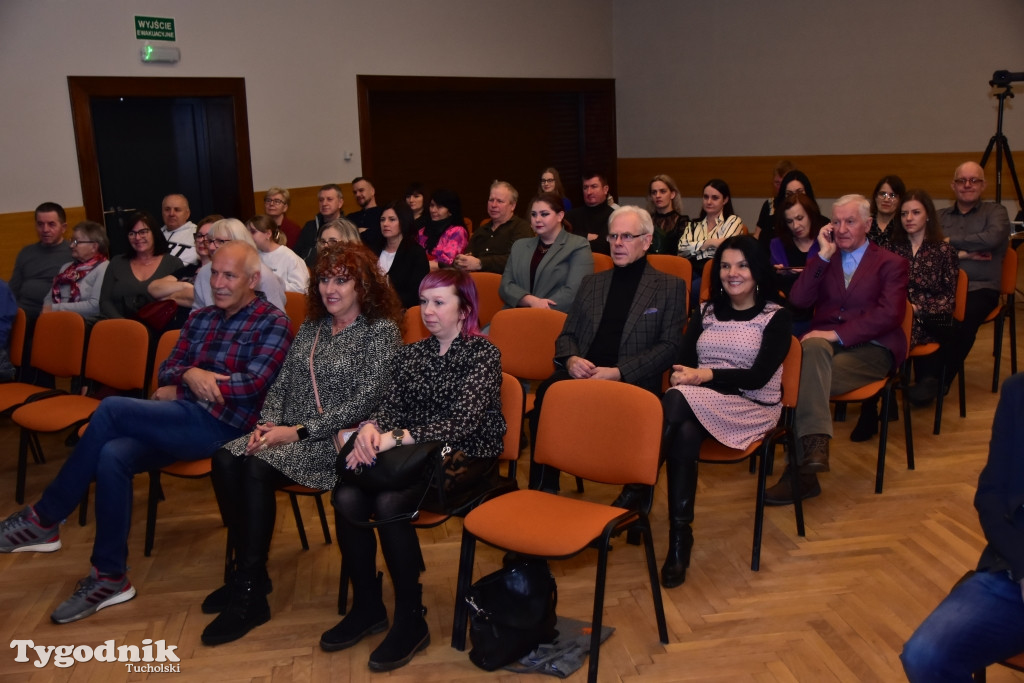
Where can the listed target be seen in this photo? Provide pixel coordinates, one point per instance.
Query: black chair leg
(465, 579)
(908, 432)
(997, 349)
(298, 520)
(937, 427)
(883, 436)
(962, 386)
(19, 484)
(323, 517)
(155, 494)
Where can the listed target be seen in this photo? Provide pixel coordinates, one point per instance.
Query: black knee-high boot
(682, 490)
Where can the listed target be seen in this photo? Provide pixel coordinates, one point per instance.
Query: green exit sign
(154, 28)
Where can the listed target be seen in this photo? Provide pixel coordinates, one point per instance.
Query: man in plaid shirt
(212, 388)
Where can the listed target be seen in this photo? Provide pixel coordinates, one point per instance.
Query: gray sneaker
(93, 593)
(22, 532)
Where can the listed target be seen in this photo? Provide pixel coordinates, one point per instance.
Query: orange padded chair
(295, 304)
(526, 338)
(602, 262)
(512, 411)
(705, 282)
(883, 388)
(559, 527)
(412, 326)
(1016, 663)
(58, 344)
(487, 285)
(674, 265)
(763, 450)
(118, 350)
(1002, 313)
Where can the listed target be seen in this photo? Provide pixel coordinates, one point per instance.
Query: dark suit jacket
(653, 334)
(558, 275)
(871, 309)
(410, 266)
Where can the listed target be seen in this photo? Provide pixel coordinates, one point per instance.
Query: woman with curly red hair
(336, 372)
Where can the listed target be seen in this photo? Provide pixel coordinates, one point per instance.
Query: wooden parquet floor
(834, 606)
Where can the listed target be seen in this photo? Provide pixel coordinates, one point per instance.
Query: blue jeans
(979, 623)
(127, 436)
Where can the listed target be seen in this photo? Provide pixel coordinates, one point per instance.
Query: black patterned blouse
(353, 370)
(932, 286)
(454, 398)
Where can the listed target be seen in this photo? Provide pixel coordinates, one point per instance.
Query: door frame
(82, 88)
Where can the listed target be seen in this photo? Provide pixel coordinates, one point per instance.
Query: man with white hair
(211, 391)
(625, 325)
(858, 291)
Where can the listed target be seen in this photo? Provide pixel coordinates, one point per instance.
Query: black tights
(683, 431)
(246, 494)
(398, 541)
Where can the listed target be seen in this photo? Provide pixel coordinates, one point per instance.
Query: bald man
(980, 231)
(178, 229)
(211, 391)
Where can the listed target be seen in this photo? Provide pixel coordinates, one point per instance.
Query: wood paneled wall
(832, 175)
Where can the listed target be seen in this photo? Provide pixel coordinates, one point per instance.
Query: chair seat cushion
(714, 451)
(861, 393)
(16, 393)
(54, 414)
(189, 468)
(541, 524)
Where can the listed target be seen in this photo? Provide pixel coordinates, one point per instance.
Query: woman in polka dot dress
(728, 383)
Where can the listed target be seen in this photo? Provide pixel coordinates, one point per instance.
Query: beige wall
(299, 59)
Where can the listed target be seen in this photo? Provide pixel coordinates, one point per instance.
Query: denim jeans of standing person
(979, 623)
(127, 436)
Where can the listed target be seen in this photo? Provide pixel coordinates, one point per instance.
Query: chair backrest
(512, 400)
(295, 304)
(601, 430)
(705, 281)
(412, 326)
(1008, 281)
(17, 341)
(168, 340)
(673, 265)
(487, 285)
(117, 355)
(960, 306)
(526, 338)
(791, 373)
(58, 343)
(602, 262)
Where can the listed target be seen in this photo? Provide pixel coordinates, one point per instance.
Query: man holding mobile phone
(859, 295)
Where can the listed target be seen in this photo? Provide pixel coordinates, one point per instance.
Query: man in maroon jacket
(859, 295)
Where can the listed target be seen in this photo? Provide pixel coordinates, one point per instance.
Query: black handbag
(396, 469)
(458, 480)
(512, 612)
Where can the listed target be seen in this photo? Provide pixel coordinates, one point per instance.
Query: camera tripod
(1002, 147)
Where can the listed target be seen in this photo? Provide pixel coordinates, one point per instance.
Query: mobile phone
(831, 235)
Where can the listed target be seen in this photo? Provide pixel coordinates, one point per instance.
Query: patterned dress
(454, 398)
(353, 369)
(745, 350)
(932, 285)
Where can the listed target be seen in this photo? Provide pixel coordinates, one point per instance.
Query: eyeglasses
(623, 237)
(202, 237)
(547, 181)
(217, 242)
(75, 243)
(139, 233)
(967, 182)
(275, 201)
(888, 195)
(328, 242)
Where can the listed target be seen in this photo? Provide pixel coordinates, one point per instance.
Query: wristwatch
(398, 434)
(302, 432)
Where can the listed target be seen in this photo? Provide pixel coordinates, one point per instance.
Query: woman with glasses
(221, 232)
(885, 209)
(78, 283)
(275, 205)
(546, 271)
(126, 283)
(286, 264)
(338, 231)
(551, 183)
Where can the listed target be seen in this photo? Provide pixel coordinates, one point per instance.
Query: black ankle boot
(247, 608)
(367, 616)
(867, 423)
(407, 636)
(677, 560)
(217, 601)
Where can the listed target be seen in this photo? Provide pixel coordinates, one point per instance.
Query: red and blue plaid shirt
(250, 346)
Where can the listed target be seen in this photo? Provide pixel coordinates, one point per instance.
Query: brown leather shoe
(815, 447)
(782, 492)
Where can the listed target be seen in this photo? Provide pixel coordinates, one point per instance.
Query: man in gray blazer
(625, 325)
